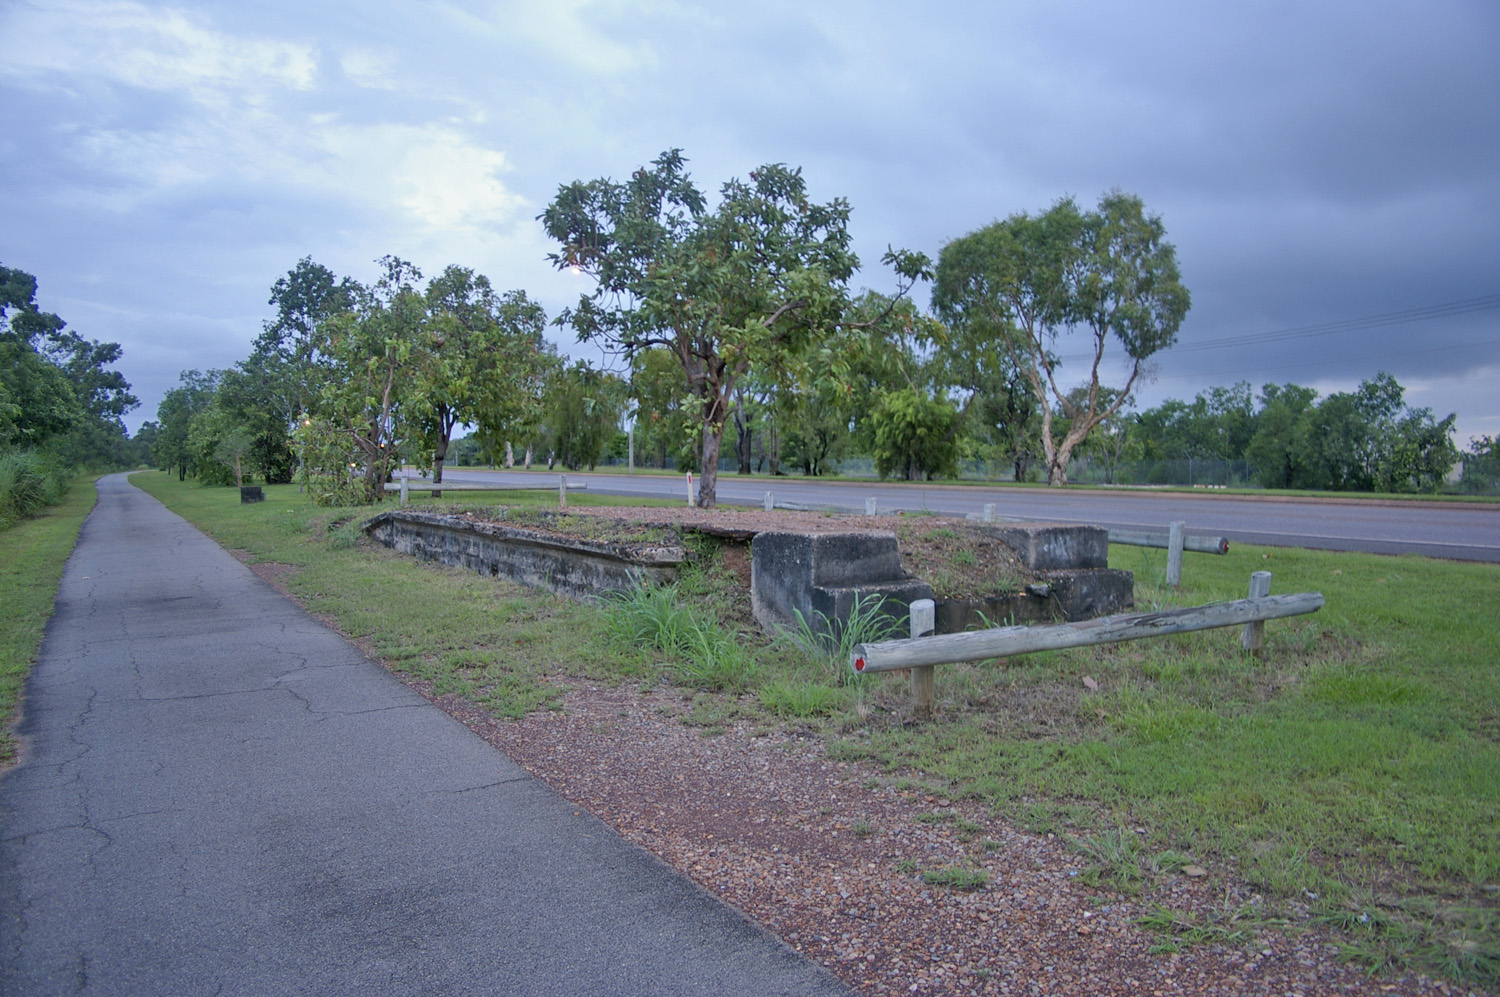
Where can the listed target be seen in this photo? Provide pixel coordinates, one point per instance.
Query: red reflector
(859, 664)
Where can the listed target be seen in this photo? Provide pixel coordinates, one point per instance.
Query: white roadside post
(1174, 554)
(562, 491)
(1253, 636)
(923, 692)
(403, 489)
(770, 502)
(870, 506)
(989, 512)
(690, 487)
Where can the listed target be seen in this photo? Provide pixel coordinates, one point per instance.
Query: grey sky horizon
(1328, 172)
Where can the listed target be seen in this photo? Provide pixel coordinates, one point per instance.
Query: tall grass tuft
(831, 645)
(706, 656)
(29, 482)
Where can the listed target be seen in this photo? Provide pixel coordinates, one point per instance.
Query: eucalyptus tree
(1109, 274)
(753, 285)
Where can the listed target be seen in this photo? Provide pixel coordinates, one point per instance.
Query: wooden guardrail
(920, 653)
(407, 485)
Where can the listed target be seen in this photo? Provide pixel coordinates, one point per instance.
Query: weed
(862, 828)
(832, 643)
(907, 866)
(1113, 856)
(956, 878)
(346, 534)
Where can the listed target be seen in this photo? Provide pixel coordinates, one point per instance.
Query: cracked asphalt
(219, 795)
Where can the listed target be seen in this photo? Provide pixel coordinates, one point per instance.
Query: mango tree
(757, 284)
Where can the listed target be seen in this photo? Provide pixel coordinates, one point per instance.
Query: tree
(1109, 273)
(291, 344)
(1278, 448)
(353, 441)
(174, 416)
(1482, 464)
(56, 388)
(913, 436)
(583, 414)
(753, 285)
(480, 363)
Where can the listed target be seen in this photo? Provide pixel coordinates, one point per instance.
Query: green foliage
(56, 389)
(915, 437)
(757, 285)
(583, 407)
(1482, 465)
(29, 482)
(1013, 286)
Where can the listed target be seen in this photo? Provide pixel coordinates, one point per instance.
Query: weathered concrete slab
(575, 567)
(1051, 547)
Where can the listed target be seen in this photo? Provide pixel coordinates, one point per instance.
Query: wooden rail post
(1253, 636)
(1174, 554)
(404, 498)
(923, 622)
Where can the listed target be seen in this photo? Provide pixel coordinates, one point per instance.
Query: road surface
(1466, 532)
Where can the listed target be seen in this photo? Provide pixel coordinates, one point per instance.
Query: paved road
(220, 795)
(1460, 532)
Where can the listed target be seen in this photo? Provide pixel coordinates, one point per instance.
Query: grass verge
(32, 555)
(1351, 776)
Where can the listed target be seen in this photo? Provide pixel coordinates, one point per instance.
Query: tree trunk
(708, 482)
(529, 456)
(438, 457)
(510, 456)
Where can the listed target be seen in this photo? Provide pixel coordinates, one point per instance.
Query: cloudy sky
(1329, 171)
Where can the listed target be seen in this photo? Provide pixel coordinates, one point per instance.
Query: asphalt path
(217, 794)
(1458, 531)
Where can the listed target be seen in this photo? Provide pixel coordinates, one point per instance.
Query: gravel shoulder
(829, 855)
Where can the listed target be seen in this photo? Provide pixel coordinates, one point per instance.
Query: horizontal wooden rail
(419, 485)
(1002, 642)
(1142, 538)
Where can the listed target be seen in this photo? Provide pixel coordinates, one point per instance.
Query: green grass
(32, 555)
(1358, 761)
(1353, 769)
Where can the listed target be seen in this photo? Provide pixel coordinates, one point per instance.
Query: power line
(1465, 306)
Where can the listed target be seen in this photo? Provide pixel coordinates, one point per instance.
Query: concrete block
(812, 573)
(1051, 546)
(1083, 594)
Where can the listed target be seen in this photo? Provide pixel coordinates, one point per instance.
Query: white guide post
(562, 491)
(923, 692)
(1253, 636)
(1174, 554)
